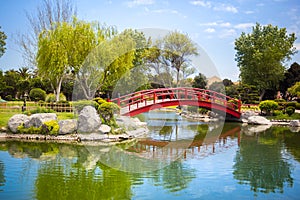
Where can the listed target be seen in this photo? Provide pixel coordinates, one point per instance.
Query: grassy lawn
(4, 117)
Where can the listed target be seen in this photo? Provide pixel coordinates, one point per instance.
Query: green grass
(5, 116)
(285, 116)
(65, 115)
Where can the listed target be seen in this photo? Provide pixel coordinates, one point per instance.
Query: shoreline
(78, 138)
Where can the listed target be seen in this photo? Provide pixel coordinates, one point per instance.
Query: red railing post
(154, 97)
(119, 102)
(185, 93)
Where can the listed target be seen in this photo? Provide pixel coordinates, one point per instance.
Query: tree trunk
(58, 88)
(262, 94)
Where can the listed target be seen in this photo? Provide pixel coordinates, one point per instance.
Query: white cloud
(165, 11)
(206, 4)
(244, 25)
(225, 24)
(226, 8)
(139, 3)
(228, 33)
(221, 24)
(210, 30)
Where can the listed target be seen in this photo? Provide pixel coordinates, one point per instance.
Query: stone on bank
(88, 120)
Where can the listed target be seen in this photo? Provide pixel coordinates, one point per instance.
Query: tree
(200, 81)
(106, 64)
(227, 82)
(64, 49)
(260, 56)
(291, 76)
(3, 37)
(217, 87)
(47, 16)
(295, 90)
(177, 49)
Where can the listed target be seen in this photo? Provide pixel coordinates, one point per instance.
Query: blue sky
(214, 25)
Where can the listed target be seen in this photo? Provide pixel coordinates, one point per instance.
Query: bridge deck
(146, 100)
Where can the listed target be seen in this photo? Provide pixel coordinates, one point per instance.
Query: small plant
(290, 110)
(31, 130)
(268, 106)
(50, 127)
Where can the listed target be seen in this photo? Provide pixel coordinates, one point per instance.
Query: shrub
(8, 97)
(31, 130)
(37, 94)
(39, 110)
(290, 110)
(52, 98)
(99, 100)
(107, 111)
(298, 106)
(292, 103)
(277, 112)
(51, 127)
(268, 106)
(79, 105)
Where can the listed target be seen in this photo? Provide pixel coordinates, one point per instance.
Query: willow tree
(105, 65)
(47, 15)
(63, 50)
(177, 50)
(261, 55)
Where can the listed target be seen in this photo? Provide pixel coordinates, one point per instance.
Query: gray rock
(258, 120)
(88, 120)
(16, 121)
(67, 126)
(104, 128)
(129, 123)
(37, 120)
(295, 123)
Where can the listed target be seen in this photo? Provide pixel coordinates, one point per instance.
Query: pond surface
(179, 160)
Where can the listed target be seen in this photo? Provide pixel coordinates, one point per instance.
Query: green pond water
(179, 159)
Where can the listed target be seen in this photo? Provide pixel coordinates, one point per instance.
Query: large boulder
(67, 126)
(258, 120)
(295, 123)
(88, 120)
(16, 121)
(37, 120)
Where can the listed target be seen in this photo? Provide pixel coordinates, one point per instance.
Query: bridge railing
(163, 94)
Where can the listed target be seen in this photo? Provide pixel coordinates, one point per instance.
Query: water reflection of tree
(174, 177)
(64, 179)
(2, 177)
(259, 163)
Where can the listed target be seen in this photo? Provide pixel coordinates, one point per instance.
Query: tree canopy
(261, 55)
(176, 49)
(3, 37)
(200, 81)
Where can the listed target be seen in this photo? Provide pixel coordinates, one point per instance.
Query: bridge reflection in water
(202, 146)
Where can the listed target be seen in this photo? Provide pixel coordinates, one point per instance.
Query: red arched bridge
(146, 100)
